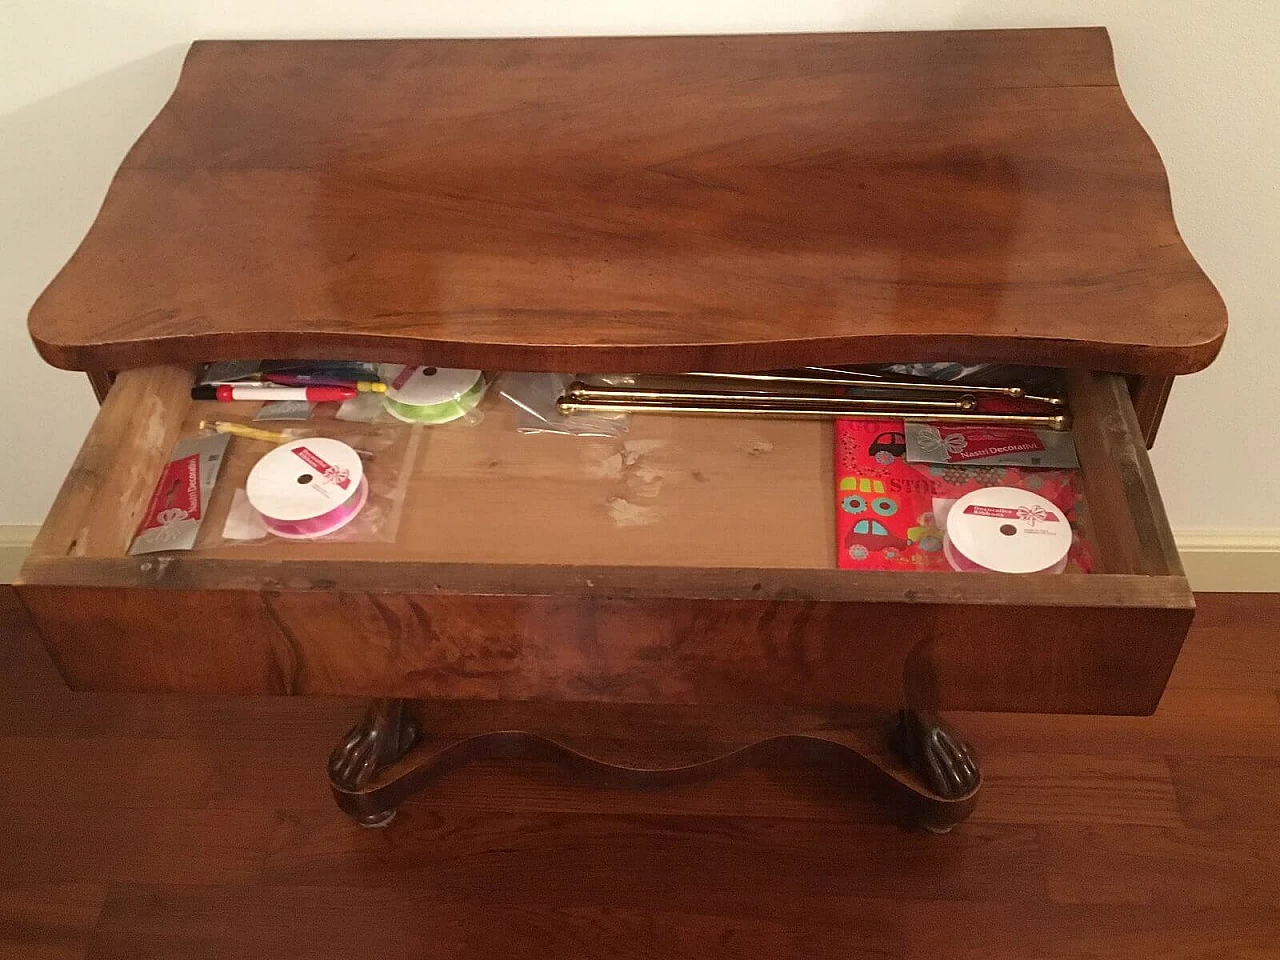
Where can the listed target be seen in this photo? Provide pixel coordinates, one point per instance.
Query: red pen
(226, 393)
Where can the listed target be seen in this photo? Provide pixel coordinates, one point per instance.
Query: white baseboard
(14, 543)
(1217, 561)
(1231, 561)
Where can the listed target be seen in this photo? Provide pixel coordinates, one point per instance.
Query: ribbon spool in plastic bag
(308, 488)
(431, 394)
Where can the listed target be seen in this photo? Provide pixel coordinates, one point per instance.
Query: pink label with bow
(1030, 515)
(336, 475)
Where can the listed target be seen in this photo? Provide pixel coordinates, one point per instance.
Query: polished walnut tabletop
(642, 204)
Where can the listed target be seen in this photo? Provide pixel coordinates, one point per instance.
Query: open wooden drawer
(690, 561)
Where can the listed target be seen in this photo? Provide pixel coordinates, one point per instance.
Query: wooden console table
(662, 204)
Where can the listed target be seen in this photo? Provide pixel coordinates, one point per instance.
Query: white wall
(79, 80)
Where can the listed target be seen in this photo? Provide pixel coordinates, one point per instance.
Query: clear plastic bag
(387, 453)
(432, 396)
(535, 395)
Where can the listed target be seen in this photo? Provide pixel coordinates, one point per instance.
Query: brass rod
(856, 377)
(582, 391)
(1057, 421)
(852, 380)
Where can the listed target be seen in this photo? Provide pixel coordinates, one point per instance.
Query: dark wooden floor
(182, 827)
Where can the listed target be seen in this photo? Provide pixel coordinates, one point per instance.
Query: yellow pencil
(240, 430)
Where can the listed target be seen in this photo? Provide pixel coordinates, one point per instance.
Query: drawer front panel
(655, 650)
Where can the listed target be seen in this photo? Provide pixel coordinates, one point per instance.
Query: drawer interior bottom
(671, 491)
(746, 493)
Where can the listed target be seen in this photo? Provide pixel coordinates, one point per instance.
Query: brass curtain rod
(608, 394)
(1057, 421)
(852, 381)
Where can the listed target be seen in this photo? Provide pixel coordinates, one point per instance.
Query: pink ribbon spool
(306, 488)
(326, 523)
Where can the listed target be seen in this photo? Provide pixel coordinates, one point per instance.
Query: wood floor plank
(606, 859)
(1190, 722)
(1229, 793)
(403, 921)
(1153, 866)
(172, 774)
(48, 921)
(1232, 645)
(1165, 931)
(1077, 788)
(106, 845)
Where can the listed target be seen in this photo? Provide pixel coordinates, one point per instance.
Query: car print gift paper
(891, 514)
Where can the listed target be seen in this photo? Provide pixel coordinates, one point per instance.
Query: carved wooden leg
(932, 750)
(936, 753)
(384, 734)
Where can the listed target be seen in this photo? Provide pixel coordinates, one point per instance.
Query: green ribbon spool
(436, 413)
